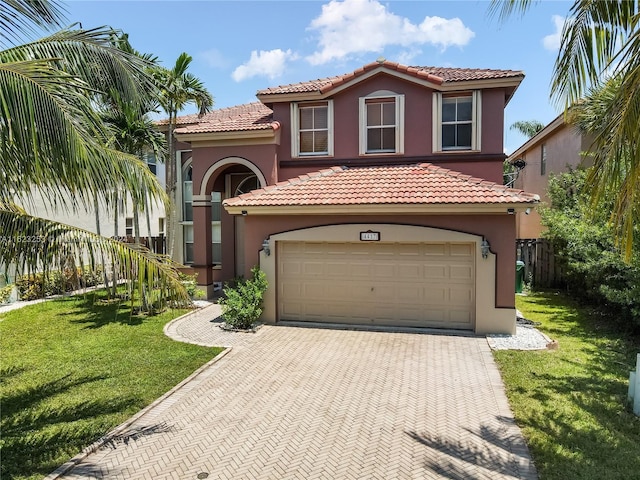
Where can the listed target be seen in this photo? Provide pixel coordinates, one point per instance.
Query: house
(373, 198)
(555, 149)
(110, 225)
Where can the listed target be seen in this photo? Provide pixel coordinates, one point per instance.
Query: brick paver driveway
(305, 403)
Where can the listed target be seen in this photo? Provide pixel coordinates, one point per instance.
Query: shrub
(190, 285)
(583, 239)
(56, 282)
(242, 303)
(5, 293)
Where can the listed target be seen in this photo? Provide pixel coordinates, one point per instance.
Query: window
(187, 214)
(187, 195)
(150, 160)
(187, 231)
(161, 225)
(456, 121)
(543, 159)
(216, 227)
(312, 129)
(381, 123)
(128, 227)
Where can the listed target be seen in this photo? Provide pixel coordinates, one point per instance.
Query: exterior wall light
(266, 248)
(484, 248)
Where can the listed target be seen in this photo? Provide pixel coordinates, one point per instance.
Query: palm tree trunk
(102, 264)
(171, 175)
(114, 271)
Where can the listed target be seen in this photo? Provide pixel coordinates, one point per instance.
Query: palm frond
(52, 138)
(91, 56)
(18, 17)
(594, 35)
(504, 9)
(32, 244)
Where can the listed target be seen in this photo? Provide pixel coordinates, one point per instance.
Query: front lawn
(74, 368)
(571, 402)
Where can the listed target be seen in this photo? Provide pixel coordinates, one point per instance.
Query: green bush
(56, 282)
(191, 285)
(242, 302)
(584, 241)
(5, 293)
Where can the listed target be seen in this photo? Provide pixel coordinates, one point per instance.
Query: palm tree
(528, 128)
(178, 88)
(601, 44)
(53, 141)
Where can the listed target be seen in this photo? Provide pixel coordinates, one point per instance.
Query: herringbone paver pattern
(303, 403)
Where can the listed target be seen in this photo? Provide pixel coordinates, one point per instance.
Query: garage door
(400, 284)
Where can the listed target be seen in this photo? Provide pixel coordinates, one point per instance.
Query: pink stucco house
(373, 198)
(556, 148)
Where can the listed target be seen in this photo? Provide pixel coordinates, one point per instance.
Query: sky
(239, 47)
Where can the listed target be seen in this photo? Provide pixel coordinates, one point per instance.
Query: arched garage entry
(411, 277)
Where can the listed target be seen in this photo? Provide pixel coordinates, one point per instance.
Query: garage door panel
(416, 284)
(461, 272)
(435, 272)
(461, 249)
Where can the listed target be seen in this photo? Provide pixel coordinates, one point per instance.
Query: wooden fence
(542, 267)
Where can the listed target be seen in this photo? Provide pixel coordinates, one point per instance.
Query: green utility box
(519, 276)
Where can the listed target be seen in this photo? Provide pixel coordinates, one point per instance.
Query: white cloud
(552, 42)
(358, 26)
(269, 63)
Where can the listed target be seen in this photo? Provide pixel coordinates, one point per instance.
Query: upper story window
(312, 129)
(456, 121)
(382, 123)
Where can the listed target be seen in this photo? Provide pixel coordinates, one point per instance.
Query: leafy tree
(583, 241)
(178, 88)
(529, 128)
(601, 43)
(53, 141)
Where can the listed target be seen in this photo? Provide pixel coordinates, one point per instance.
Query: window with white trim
(216, 227)
(312, 129)
(381, 124)
(187, 214)
(456, 119)
(128, 226)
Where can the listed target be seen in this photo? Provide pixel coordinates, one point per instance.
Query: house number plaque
(369, 236)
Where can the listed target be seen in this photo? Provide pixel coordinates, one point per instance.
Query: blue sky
(239, 47)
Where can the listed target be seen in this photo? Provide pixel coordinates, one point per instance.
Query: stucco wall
(563, 147)
(418, 121)
(497, 229)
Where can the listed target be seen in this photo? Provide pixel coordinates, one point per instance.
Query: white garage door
(401, 284)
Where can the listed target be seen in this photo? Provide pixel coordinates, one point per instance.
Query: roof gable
(439, 78)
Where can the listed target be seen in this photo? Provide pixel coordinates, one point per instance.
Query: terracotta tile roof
(251, 116)
(404, 184)
(437, 75)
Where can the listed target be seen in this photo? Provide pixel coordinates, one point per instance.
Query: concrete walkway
(309, 403)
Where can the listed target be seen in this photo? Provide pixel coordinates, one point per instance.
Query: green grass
(74, 368)
(571, 403)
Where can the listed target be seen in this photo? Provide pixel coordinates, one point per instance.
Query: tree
(178, 88)
(52, 140)
(601, 43)
(528, 128)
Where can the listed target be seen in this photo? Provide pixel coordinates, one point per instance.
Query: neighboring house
(555, 149)
(86, 219)
(370, 198)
